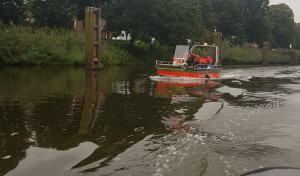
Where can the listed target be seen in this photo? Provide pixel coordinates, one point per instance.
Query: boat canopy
(181, 52)
(211, 50)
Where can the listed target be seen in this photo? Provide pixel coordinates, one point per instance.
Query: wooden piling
(265, 61)
(293, 57)
(217, 40)
(92, 38)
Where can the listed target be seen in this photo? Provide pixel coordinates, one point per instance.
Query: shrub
(250, 56)
(40, 46)
(44, 46)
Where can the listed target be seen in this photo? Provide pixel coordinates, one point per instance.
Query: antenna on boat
(189, 41)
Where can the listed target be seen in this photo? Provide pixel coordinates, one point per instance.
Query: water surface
(118, 121)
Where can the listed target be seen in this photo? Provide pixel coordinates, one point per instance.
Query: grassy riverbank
(44, 46)
(40, 46)
(253, 56)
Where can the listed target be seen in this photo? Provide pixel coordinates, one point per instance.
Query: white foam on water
(232, 91)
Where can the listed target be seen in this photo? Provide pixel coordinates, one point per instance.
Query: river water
(125, 121)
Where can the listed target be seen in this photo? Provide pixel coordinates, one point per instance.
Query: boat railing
(207, 66)
(163, 63)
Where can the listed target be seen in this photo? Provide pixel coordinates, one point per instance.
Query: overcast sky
(293, 4)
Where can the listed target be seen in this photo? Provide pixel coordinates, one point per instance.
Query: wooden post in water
(293, 57)
(92, 37)
(217, 40)
(265, 61)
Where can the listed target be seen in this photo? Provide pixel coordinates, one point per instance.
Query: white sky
(293, 4)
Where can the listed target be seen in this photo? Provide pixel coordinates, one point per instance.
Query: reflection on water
(118, 121)
(40, 160)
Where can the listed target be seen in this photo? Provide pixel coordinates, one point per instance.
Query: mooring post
(265, 61)
(217, 40)
(92, 37)
(293, 57)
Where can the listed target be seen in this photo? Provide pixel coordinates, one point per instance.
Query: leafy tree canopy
(53, 13)
(12, 11)
(283, 25)
(231, 19)
(257, 25)
(169, 22)
(297, 38)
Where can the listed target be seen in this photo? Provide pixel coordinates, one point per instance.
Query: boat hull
(189, 72)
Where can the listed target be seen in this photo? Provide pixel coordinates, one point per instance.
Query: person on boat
(198, 60)
(208, 59)
(192, 57)
(203, 61)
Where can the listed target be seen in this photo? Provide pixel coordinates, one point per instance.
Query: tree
(283, 25)
(231, 19)
(209, 20)
(183, 21)
(170, 22)
(127, 15)
(258, 27)
(53, 13)
(297, 38)
(12, 11)
(80, 5)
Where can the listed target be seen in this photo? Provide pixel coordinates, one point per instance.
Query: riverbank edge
(28, 46)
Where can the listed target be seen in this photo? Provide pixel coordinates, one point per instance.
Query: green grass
(40, 46)
(119, 53)
(20, 45)
(253, 56)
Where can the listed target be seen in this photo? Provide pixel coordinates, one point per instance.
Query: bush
(40, 46)
(120, 53)
(250, 56)
(44, 46)
(240, 56)
(280, 56)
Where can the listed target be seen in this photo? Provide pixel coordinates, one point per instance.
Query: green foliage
(280, 56)
(231, 21)
(12, 11)
(253, 56)
(209, 21)
(258, 27)
(232, 55)
(170, 22)
(43, 46)
(80, 6)
(283, 25)
(132, 16)
(114, 53)
(182, 22)
(297, 38)
(118, 53)
(53, 13)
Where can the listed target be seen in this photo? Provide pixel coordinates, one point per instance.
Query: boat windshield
(181, 51)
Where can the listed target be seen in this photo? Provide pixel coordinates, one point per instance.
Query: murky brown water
(118, 121)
